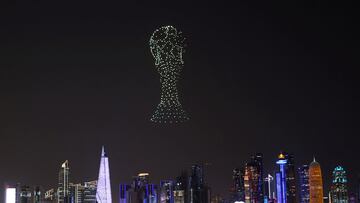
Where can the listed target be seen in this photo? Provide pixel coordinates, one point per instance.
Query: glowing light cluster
(167, 47)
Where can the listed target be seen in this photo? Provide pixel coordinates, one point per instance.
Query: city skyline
(170, 190)
(260, 76)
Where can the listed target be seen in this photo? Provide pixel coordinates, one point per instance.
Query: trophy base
(169, 114)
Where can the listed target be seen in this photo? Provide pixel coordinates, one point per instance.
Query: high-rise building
(37, 195)
(151, 194)
(257, 159)
(196, 184)
(10, 195)
(198, 191)
(290, 179)
(339, 193)
(181, 188)
(303, 172)
(166, 191)
(251, 176)
(269, 189)
(315, 183)
(50, 195)
(238, 185)
(25, 194)
(89, 195)
(124, 193)
(63, 193)
(103, 190)
(281, 188)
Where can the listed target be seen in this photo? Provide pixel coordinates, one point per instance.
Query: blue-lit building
(304, 192)
(166, 191)
(124, 196)
(281, 179)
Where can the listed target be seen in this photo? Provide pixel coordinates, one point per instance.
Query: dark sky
(259, 76)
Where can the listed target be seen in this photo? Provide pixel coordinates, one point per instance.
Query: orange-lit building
(315, 183)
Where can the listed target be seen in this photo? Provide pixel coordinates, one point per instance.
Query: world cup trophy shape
(167, 45)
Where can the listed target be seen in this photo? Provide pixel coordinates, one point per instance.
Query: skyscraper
(281, 179)
(10, 195)
(268, 192)
(303, 172)
(315, 183)
(238, 185)
(103, 191)
(124, 193)
(25, 194)
(196, 184)
(63, 193)
(166, 191)
(181, 188)
(290, 179)
(198, 191)
(339, 193)
(257, 159)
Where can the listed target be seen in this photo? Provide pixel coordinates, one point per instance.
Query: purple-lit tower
(103, 191)
(281, 179)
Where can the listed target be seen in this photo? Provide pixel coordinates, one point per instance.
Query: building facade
(103, 190)
(63, 192)
(304, 190)
(315, 183)
(339, 192)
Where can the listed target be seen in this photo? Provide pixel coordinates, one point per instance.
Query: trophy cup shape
(167, 47)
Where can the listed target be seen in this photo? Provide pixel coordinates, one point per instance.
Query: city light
(10, 195)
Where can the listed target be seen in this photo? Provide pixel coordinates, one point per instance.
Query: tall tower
(166, 191)
(258, 162)
(281, 179)
(339, 193)
(290, 179)
(238, 178)
(315, 183)
(63, 186)
(304, 183)
(103, 191)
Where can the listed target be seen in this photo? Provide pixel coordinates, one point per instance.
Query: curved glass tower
(339, 193)
(315, 183)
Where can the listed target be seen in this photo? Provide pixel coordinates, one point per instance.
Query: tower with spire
(103, 191)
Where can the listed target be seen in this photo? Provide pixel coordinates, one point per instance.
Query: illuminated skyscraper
(63, 192)
(339, 193)
(37, 195)
(166, 191)
(198, 191)
(103, 191)
(281, 179)
(315, 183)
(303, 172)
(290, 179)
(268, 192)
(181, 188)
(124, 196)
(10, 195)
(251, 177)
(25, 194)
(238, 187)
(257, 159)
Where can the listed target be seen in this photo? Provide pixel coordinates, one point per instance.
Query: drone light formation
(167, 47)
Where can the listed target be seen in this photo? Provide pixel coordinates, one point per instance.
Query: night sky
(259, 76)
